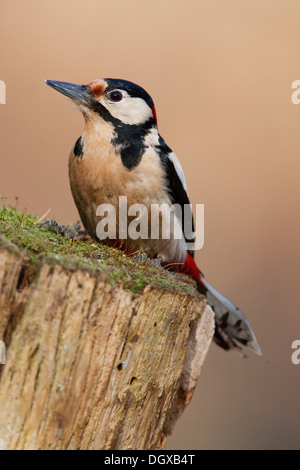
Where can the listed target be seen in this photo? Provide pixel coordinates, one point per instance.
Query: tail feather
(233, 330)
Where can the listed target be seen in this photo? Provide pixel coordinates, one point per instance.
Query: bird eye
(115, 96)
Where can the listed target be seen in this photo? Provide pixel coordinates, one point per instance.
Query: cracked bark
(90, 365)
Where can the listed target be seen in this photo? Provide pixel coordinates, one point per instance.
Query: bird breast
(99, 177)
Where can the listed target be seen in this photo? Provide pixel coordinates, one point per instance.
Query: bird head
(115, 101)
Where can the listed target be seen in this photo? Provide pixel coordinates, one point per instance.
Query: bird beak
(81, 93)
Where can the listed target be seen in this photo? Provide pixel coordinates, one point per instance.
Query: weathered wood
(10, 268)
(90, 365)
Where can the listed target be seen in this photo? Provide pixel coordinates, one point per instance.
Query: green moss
(21, 230)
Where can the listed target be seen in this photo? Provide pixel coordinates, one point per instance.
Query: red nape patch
(190, 268)
(154, 113)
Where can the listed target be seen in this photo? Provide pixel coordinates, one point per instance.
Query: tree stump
(91, 364)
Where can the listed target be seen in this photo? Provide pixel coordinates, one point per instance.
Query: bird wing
(177, 189)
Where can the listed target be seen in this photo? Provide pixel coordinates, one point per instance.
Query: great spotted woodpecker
(121, 153)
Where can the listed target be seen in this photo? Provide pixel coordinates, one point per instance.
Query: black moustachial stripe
(78, 149)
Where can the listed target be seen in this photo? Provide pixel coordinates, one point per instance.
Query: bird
(121, 153)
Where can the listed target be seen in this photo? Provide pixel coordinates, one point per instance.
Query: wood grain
(90, 365)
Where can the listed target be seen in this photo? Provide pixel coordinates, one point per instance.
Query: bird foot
(143, 257)
(70, 231)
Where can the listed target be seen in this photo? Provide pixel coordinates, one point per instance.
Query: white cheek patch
(129, 110)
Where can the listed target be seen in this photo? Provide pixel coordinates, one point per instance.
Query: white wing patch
(174, 159)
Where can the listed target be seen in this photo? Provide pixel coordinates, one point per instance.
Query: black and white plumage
(121, 153)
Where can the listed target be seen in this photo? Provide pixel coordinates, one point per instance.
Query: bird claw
(141, 257)
(71, 232)
(156, 262)
(144, 258)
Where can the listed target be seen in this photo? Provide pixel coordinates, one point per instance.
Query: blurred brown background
(220, 74)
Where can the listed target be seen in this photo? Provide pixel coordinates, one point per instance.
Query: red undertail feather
(191, 268)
